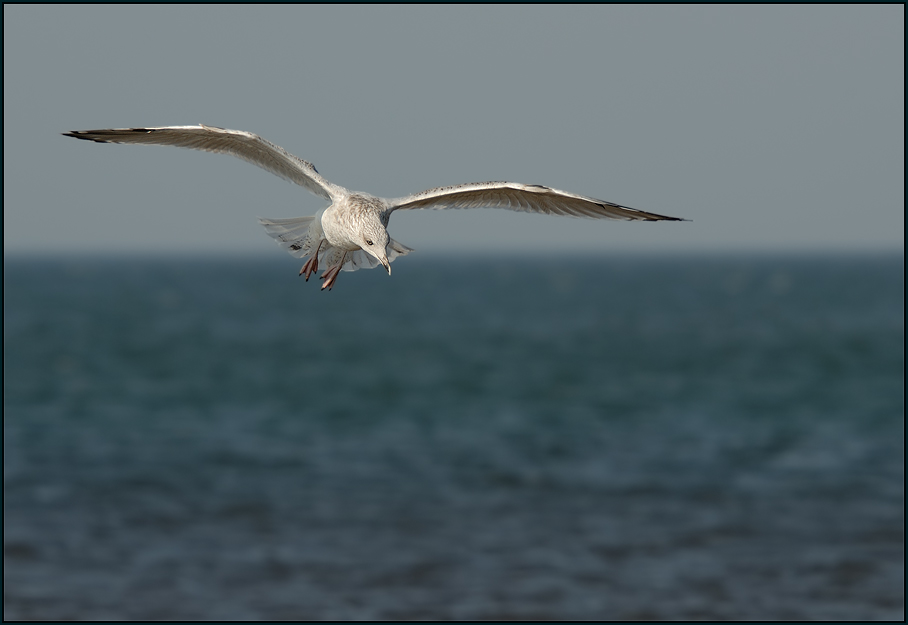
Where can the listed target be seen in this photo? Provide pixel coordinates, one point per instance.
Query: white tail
(301, 236)
(295, 235)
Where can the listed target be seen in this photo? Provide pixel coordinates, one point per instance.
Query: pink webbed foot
(310, 267)
(330, 275)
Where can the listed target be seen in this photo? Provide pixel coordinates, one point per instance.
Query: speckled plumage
(351, 233)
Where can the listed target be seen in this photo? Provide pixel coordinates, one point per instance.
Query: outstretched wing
(245, 145)
(527, 198)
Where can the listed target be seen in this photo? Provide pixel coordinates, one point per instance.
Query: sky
(773, 128)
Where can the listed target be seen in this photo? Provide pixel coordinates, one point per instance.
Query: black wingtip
(80, 134)
(107, 135)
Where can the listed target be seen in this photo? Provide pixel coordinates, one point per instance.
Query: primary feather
(351, 233)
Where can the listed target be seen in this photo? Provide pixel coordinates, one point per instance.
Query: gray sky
(772, 127)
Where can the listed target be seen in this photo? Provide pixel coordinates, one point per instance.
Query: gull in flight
(351, 233)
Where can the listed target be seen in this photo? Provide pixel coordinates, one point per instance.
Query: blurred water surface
(575, 438)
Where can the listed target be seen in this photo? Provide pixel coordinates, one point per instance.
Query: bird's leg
(311, 265)
(330, 276)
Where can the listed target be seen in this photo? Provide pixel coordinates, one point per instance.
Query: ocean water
(715, 437)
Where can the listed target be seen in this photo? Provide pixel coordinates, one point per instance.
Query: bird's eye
(368, 242)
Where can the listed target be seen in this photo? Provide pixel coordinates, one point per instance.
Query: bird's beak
(384, 261)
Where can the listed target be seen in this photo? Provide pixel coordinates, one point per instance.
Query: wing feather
(245, 145)
(521, 197)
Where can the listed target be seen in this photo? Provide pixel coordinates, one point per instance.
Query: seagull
(351, 233)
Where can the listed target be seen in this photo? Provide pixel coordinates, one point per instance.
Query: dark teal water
(578, 438)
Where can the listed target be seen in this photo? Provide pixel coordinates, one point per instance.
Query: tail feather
(296, 235)
(396, 248)
(301, 236)
(361, 260)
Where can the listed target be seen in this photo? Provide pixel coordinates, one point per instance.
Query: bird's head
(375, 242)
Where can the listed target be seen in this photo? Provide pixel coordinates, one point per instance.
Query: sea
(625, 437)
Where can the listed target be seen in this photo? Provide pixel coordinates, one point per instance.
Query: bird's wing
(245, 145)
(527, 198)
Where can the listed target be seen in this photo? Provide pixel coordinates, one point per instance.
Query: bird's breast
(345, 221)
(337, 230)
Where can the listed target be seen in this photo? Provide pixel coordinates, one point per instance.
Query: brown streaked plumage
(351, 233)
